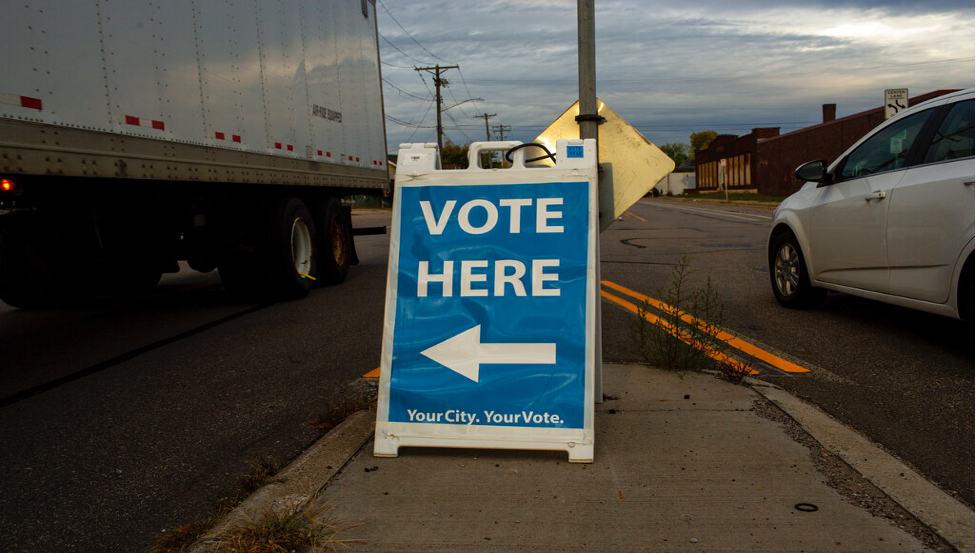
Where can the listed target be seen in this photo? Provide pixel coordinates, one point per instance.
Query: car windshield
(955, 139)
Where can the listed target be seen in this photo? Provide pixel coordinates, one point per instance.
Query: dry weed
(309, 527)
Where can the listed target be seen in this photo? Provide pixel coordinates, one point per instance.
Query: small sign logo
(326, 113)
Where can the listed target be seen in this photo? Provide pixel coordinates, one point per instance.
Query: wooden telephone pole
(502, 130)
(438, 83)
(485, 116)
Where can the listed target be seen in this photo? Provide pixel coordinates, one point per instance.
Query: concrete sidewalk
(683, 463)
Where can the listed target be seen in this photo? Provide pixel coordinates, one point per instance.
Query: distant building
(764, 160)
(385, 200)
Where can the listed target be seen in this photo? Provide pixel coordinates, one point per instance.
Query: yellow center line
(731, 340)
(684, 337)
(635, 216)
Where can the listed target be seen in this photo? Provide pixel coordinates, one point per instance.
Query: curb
(946, 516)
(740, 203)
(302, 480)
(305, 477)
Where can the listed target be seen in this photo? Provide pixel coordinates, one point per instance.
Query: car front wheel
(788, 275)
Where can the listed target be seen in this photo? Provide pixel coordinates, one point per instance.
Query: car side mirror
(816, 171)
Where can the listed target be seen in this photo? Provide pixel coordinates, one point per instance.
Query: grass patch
(309, 527)
(315, 528)
(738, 196)
(682, 331)
(179, 539)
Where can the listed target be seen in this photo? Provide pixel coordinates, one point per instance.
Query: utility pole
(502, 130)
(485, 116)
(589, 119)
(438, 83)
(488, 135)
(587, 70)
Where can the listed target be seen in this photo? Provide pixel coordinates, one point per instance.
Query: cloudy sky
(669, 68)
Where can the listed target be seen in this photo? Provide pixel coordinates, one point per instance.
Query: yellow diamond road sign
(630, 163)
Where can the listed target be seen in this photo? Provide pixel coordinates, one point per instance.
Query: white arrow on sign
(464, 352)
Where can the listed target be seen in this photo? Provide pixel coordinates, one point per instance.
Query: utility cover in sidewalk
(488, 337)
(631, 165)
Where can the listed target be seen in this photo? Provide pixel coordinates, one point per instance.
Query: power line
(394, 46)
(439, 82)
(502, 130)
(465, 83)
(457, 103)
(403, 123)
(651, 126)
(724, 78)
(486, 116)
(408, 33)
(422, 121)
(412, 95)
(397, 66)
(410, 124)
(421, 77)
(458, 127)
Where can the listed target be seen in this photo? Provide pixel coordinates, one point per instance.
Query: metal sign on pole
(896, 100)
(630, 164)
(489, 327)
(722, 177)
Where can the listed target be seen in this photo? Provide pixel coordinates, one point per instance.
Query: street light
(462, 102)
(442, 110)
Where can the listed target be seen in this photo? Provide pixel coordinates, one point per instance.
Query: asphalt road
(121, 418)
(904, 379)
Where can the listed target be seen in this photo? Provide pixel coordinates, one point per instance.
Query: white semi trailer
(134, 134)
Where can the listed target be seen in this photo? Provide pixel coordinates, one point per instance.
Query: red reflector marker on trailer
(32, 103)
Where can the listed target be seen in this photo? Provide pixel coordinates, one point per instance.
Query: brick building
(765, 160)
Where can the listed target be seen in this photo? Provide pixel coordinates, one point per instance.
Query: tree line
(680, 152)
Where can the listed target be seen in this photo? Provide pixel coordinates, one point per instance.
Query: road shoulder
(682, 460)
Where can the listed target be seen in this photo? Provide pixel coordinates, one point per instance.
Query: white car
(892, 219)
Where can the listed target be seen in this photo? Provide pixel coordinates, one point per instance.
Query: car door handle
(968, 183)
(876, 195)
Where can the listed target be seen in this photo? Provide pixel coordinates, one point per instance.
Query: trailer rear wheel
(336, 242)
(277, 262)
(289, 254)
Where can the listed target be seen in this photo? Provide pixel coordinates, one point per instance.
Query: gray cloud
(669, 71)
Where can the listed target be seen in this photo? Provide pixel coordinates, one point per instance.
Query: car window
(885, 150)
(955, 139)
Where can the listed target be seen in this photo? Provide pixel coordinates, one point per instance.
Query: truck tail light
(6, 185)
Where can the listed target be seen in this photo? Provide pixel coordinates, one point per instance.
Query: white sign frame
(418, 168)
